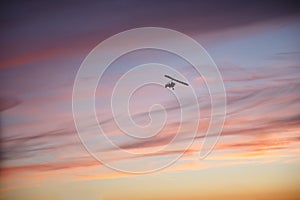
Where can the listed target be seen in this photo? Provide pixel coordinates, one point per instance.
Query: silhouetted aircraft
(171, 84)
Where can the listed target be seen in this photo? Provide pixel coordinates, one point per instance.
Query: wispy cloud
(8, 102)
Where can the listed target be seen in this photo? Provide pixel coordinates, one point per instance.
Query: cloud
(51, 166)
(23, 146)
(257, 112)
(157, 141)
(290, 55)
(8, 102)
(45, 39)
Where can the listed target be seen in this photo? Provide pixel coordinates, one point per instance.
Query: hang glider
(171, 84)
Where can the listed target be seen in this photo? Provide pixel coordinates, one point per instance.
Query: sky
(254, 44)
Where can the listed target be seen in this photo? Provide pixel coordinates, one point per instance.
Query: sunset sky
(256, 47)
